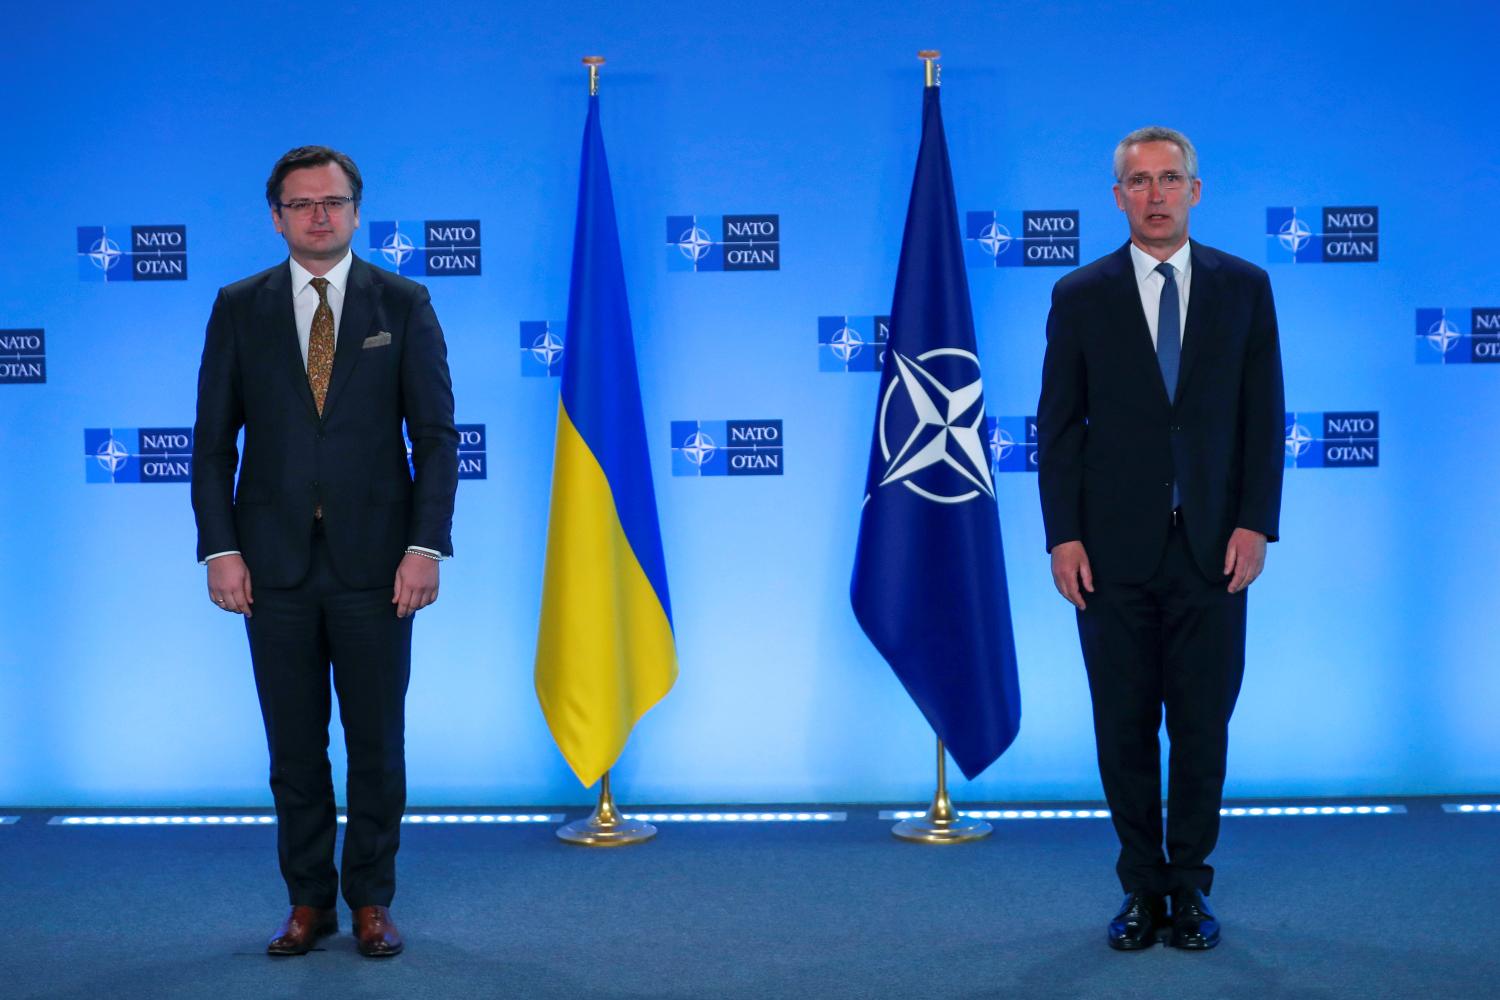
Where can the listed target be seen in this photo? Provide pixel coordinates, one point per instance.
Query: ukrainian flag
(605, 651)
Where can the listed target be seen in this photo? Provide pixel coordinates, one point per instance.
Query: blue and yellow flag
(605, 651)
(929, 573)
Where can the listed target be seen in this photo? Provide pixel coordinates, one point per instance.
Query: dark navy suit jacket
(390, 367)
(1110, 441)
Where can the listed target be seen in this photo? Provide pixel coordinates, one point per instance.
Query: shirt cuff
(429, 553)
(208, 559)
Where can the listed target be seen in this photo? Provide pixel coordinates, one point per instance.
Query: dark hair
(312, 156)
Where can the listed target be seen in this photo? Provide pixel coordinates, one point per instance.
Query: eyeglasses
(1169, 180)
(303, 206)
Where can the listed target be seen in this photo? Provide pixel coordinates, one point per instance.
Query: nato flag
(929, 572)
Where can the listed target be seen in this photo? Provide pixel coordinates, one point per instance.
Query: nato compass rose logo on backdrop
(723, 242)
(137, 455)
(434, 248)
(1021, 239)
(23, 357)
(1012, 444)
(1458, 336)
(852, 343)
(132, 253)
(1333, 440)
(933, 435)
(541, 348)
(1332, 235)
(727, 448)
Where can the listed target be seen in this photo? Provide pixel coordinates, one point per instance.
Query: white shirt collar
(337, 276)
(1145, 264)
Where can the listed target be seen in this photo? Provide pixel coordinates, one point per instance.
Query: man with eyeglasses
(328, 544)
(1159, 447)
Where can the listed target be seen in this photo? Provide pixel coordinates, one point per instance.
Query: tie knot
(1166, 270)
(321, 284)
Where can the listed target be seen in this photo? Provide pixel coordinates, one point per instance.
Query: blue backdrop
(1372, 663)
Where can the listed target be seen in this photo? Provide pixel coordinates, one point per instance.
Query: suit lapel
(276, 316)
(354, 326)
(1125, 304)
(1203, 300)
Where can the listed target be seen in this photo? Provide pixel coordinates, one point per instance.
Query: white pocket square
(380, 339)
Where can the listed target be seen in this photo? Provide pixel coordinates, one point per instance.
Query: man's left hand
(417, 584)
(1244, 559)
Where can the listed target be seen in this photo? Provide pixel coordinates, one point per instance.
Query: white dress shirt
(305, 298)
(1149, 282)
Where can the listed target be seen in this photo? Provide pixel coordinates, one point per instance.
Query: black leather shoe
(1194, 926)
(1135, 926)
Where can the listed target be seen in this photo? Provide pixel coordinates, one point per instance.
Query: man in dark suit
(321, 360)
(1159, 443)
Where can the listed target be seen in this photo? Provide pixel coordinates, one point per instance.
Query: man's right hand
(1071, 573)
(229, 584)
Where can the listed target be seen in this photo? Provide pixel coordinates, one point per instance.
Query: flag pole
(607, 826)
(942, 824)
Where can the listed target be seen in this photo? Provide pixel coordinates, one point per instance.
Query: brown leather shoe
(375, 932)
(302, 929)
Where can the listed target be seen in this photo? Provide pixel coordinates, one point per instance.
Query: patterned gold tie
(320, 346)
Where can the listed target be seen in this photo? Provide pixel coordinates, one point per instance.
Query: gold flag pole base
(606, 827)
(942, 824)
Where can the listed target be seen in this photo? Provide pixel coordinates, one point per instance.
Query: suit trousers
(1175, 641)
(296, 633)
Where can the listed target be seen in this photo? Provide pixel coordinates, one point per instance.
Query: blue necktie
(1168, 343)
(1168, 329)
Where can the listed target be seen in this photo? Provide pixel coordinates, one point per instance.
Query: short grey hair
(1157, 133)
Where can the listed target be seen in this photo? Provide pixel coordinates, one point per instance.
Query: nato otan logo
(427, 249)
(1342, 440)
(23, 357)
(132, 253)
(1458, 336)
(137, 455)
(471, 452)
(852, 343)
(726, 448)
(931, 427)
(1021, 239)
(724, 242)
(1012, 444)
(541, 348)
(1343, 234)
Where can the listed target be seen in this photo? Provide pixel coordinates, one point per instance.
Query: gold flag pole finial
(593, 63)
(606, 827)
(934, 71)
(942, 824)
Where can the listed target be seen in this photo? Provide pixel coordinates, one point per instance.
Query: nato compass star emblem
(1298, 440)
(1294, 234)
(995, 239)
(846, 344)
(699, 448)
(1001, 444)
(112, 455)
(398, 248)
(694, 243)
(949, 430)
(105, 253)
(1442, 335)
(547, 348)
